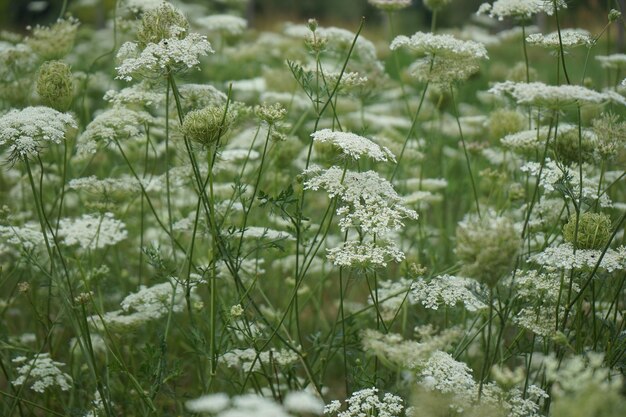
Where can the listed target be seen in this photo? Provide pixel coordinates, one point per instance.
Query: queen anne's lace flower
(564, 257)
(225, 24)
(367, 402)
(92, 231)
(440, 45)
(519, 9)
(43, 372)
(390, 5)
(567, 37)
(447, 290)
(614, 61)
(172, 54)
(29, 130)
(552, 96)
(353, 145)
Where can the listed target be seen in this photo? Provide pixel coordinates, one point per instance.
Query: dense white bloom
(211, 403)
(248, 359)
(117, 123)
(447, 290)
(552, 96)
(390, 5)
(520, 9)
(442, 46)
(367, 402)
(92, 184)
(28, 236)
(577, 373)
(442, 373)
(613, 61)
(155, 59)
(223, 23)
(563, 256)
(147, 304)
(141, 93)
(303, 402)
(92, 231)
(368, 201)
(353, 145)
(364, 254)
(29, 130)
(43, 372)
(568, 38)
(258, 232)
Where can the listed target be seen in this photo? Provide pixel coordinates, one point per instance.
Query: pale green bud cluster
(504, 122)
(486, 247)
(271, 113)
(55, 41)
(594, 231)
(571, 149)
(163, 22)
(55, 85)
(206, 125)
(614, 15)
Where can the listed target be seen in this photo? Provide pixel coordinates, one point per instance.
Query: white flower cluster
(564, 257)
(94, 185)
(172, 54)
(43, 372)
(567, 37)
(577, 373)
(392, 348)
(92, 231)
(353, 145)
(148, 304)
(367, 402)
(390, 5)
(112, 124)
(520, 9)
(256, 405)
(28, 130)
(368, 201)
(552, 96)
(613, 61)
(448, 290)
(28, 236)
(369, 204)
(554, 176)
(247, 360)
(443, 46)
(224, 24)
(442, 373)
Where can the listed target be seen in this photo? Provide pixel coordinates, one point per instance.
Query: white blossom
(27, 131)
(353, 145)
(92, 231)
(43, 372)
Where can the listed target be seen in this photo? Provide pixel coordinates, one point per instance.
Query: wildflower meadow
(204, 217)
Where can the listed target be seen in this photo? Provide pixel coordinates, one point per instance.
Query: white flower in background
(569, 38)
(29, 130)
(447, 290)
(155, 59)
(42, 372)
(613, 61)
(367, 402)
(563, 257)
(224, 24)
(390, 5)
(28, 236)
(211, 403)
(365, 254)
(353, 145)
(92, 231)
(519, 9)
(117, 123)
(442, 46)
(303, 402)
(552, 96)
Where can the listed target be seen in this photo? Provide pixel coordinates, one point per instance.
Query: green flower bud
(271, 113)
(486, 247)
(55, 85)
(614, 15)
(206, 125)
(594, 230)
(567, 147)
(164, 22)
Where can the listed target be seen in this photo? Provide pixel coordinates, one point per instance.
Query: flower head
(29, 130)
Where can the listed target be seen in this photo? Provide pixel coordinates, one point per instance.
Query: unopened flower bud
(594, 231)
(55, 85)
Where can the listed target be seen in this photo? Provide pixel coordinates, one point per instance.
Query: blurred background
(15, 15)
